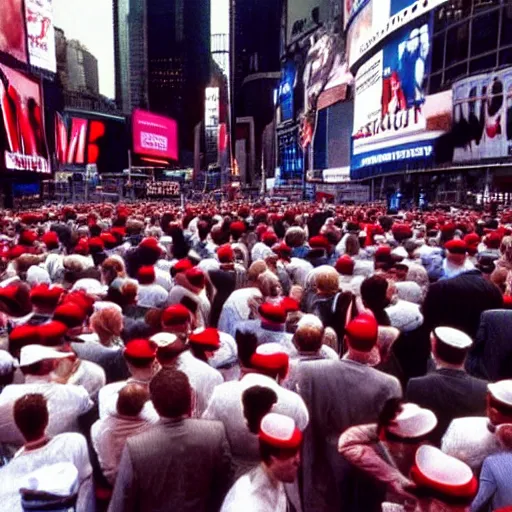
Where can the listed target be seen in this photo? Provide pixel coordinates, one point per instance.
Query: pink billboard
(154, 135)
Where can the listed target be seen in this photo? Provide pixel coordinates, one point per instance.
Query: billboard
(211, 122)
(12, 29)
(394, 120)
(154, 135)
(286, 90)
(304, 16)
(482, 115)
(82, 140)
(41, 34)
(351, 9)
(22, 138)
(376, 21)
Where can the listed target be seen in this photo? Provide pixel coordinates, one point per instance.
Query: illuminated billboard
(81, 140)
(482, 116)
(22, 138)
(41, 34)
(12, 29)
(394, 120)
(304, 16)
(154, 135)
(377, 20)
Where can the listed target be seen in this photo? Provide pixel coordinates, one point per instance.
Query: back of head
(246, 344)
(257, 403)
(171, 393)
(327, 281)
(31, 416)
(107, 323)
(255, 270)
(373, 292)
(295, 237)
(131, 400)
(309, 334)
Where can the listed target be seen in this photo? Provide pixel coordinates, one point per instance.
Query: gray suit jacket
(491, 355)
(449, 394)
(339, 395)
(177, 465)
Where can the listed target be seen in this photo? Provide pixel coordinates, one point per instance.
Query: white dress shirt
(471, 441)
(226, 405)
(203, 380)
(256, 492)
(66, 402)
(68, 447)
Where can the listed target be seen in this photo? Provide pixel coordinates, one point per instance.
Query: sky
(90, 21)
(219, 16)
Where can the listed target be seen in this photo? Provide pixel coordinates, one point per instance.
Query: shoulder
(70, 440)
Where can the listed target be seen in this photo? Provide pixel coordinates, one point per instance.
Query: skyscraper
(163, 60)
(256, 28)
(130, 43)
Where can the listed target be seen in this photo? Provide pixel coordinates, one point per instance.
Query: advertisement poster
(351, 9)
(41, 34)
(22, 138)
(82, 141)
(393, 118)
(482, 116)
(154, 135)
(286, 90)
(378, 20)
(304, 16)
(12, 29)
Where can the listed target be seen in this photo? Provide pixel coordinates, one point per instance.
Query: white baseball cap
(413, 422)
(164, 339)
(31, 354)
(453, 337)
(502, 391)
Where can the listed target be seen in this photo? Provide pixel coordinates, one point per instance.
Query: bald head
(131, 399)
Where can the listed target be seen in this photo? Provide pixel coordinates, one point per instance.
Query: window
(435, 83)
(455, 72)
(505, 57)
(506, 24)
(484, 34)
(483, 63)
(457, 40)
(438, 52)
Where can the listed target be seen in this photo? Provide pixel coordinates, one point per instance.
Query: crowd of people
(255, 357)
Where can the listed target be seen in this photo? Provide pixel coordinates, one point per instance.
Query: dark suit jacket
(177, 465)
(339, 395)
(449, 394)
(491, 355)
(458, 302)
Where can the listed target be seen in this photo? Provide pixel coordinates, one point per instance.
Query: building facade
(432, 115)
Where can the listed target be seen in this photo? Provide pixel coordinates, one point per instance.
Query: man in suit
(458, 302)
(491, 356)
(449, 391)
(339, 395)
(180, 464)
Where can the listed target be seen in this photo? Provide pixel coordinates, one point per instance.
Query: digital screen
(41, 34)
(12, 29)
(154, 135)
(394, 119)
(286, 90)
(22, 138)
(80, 141)
(26, 189)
